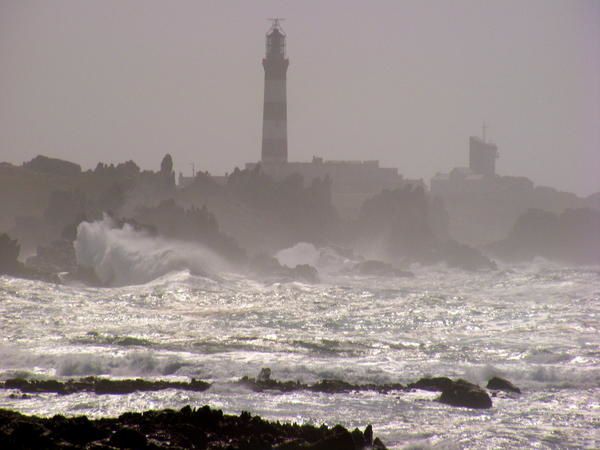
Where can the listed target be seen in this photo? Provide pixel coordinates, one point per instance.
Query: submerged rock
(500, 384)
(463, 393)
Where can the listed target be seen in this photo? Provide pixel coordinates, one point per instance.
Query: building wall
(482, 156)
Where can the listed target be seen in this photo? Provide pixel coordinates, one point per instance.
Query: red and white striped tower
(274, 138)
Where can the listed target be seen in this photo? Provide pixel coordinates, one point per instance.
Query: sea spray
(300, 253)
(124, 256)
(325, 259)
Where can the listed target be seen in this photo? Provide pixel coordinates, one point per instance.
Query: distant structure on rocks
(482, 156)
(352, 182)
(482, 205)
(480, 176)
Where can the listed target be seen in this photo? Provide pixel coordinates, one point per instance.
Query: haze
(403, 82)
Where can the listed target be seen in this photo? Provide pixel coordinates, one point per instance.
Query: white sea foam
(121, 256)
(301, 253)
(536, 326)
(136, 363)
(325, 259)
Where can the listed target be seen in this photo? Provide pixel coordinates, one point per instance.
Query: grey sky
(405, 82)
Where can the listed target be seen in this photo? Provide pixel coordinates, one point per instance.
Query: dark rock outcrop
(100, 385)
(10, 265)
(400, 218)
(264, 383)
(267, 266)
(461, 256)
(340, 439)
(500, 384)
(128, 438)
(455, 393)
(193, 224)
(437, 384)
(305, 272)
(58, 256)
(570, 237)
(9, 253)
(463, 393)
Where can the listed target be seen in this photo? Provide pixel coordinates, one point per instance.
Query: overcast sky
(405, 82)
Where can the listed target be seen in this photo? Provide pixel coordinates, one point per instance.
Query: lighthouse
(275, 63)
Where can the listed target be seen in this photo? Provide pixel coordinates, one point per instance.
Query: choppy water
(537, 325)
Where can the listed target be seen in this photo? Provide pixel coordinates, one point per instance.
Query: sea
(535, 324)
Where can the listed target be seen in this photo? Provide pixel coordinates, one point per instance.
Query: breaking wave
(18, 363)
(325, 259)
(124, 256)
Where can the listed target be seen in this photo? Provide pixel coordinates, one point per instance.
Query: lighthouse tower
(274, 137)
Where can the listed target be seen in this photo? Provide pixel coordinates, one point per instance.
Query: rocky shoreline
(205, 428)
(188, 428)
(457, 392)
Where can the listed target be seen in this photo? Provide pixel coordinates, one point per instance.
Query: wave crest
(124, 256)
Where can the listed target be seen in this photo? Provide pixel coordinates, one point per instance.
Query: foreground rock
(463, 393)
(202, 428)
